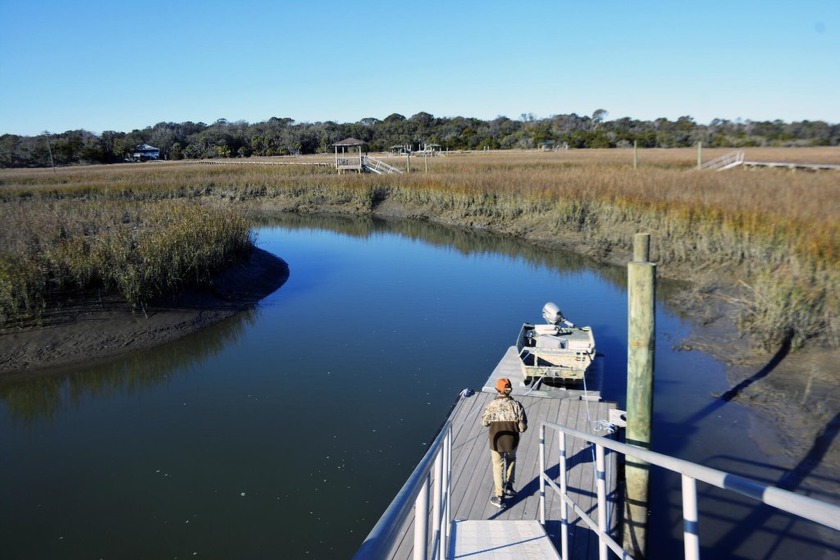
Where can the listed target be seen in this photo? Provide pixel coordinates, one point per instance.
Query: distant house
(144, 152)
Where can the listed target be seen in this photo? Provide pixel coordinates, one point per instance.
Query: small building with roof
(350, 155)
(144, 152)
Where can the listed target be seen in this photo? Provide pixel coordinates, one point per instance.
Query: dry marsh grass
(775, 233)
(54, 249)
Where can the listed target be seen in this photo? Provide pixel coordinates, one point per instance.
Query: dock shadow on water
(732, 526)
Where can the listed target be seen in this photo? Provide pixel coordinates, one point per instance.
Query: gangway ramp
(378, 166)
(485, 540)
(727, 161)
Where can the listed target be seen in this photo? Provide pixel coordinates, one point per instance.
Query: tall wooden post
(635, 154)
(699, 155)
(641, 327)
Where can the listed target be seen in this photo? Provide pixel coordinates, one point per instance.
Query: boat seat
(580, 345)
(549, 342)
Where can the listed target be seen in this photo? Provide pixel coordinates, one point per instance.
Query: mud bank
(92, 329)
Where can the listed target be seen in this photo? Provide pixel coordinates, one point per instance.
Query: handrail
(725, 161)
(413, 499)
(379, 165)
(802, 506)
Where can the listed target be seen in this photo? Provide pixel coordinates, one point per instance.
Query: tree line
(285, 136)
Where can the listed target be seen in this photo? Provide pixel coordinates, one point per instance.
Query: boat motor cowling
(552, 314)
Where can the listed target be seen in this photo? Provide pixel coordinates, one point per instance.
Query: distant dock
(736, 159)
(794, 166)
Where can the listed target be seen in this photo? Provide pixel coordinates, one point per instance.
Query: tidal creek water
(285, 431)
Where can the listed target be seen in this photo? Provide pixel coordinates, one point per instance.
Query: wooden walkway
(472, 480)
(789, 165)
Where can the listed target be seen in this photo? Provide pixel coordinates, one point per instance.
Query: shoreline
(92, 330)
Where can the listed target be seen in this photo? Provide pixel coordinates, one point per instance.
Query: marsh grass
(54, 249)
(773, 234)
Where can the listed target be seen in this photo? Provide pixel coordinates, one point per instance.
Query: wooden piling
(641, 292)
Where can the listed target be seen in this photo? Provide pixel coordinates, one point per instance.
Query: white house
(144, 152)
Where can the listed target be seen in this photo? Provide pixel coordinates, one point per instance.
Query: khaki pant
(496, 460)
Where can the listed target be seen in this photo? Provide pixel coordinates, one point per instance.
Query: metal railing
(413, 500)
(725, 161)
(379, 166)
(796, 504)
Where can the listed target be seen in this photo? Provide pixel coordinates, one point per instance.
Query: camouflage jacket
(506, 419)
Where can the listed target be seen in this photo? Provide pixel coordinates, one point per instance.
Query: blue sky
(104, 65)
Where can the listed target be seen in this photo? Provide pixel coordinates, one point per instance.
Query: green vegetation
(767, 240)
(279, 137)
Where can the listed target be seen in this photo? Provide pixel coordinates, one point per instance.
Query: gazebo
(349, 155)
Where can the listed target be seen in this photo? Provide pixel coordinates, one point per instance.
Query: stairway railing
(726, 161)
(379, 166)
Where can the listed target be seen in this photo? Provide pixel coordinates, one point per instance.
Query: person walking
(506, 419)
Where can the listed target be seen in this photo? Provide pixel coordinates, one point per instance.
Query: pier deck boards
(472, 481)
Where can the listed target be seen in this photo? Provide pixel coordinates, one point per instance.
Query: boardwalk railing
(379, 166)
(413, 500)
(802, 506)
(260, 162)
(726, 161)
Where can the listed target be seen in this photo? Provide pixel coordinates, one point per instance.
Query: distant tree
(280, 136)
(598, 116)
(10, 154)
(422, 119)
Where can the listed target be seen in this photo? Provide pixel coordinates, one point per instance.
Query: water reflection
(466, 242)
(44, 395)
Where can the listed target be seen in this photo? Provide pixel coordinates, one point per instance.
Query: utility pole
(641, 342)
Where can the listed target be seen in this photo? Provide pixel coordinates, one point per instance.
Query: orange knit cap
(503, 384)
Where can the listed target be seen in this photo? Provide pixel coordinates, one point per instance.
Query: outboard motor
(552, 314)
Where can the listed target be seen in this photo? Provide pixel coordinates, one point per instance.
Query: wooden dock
(793, 166)
(472, 480)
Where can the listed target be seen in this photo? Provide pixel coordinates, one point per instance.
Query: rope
(534, 385)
